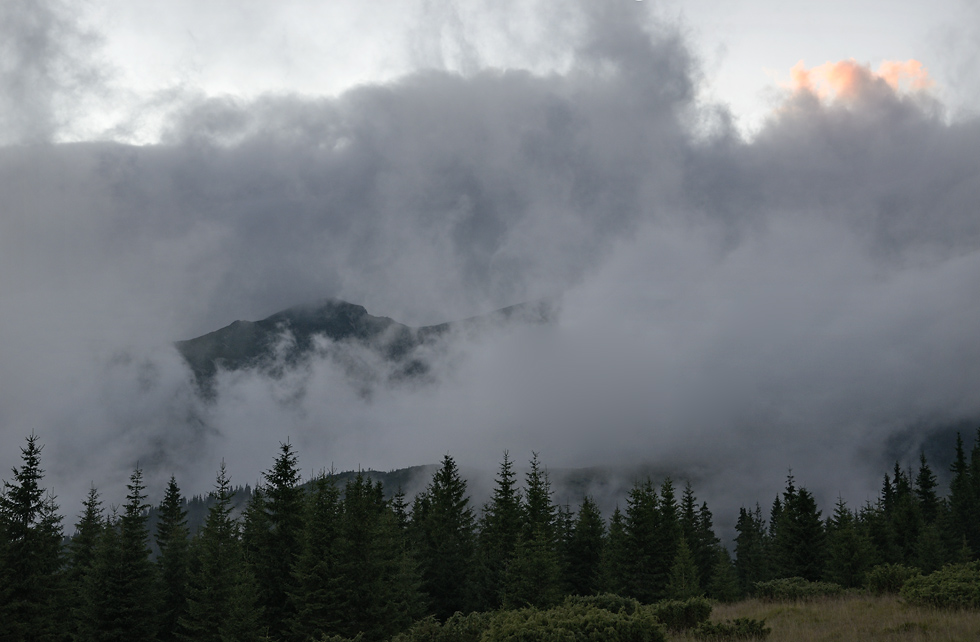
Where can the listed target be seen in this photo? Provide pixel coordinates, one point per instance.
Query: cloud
(730, 307)
(848, 79)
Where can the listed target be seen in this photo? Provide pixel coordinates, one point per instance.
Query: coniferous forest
(315, 560)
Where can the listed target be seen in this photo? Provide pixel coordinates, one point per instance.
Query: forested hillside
(305, 559)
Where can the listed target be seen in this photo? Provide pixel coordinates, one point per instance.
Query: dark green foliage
(607, 601)
(221, 590)
(444, 530)
(535, 575)
(697, 529)
(956, 586)
(798, 535)
(681, 615)
(317, 600)
(724, 585)
(378, 579)
(889, 578)
(683, 575)
(741, 628)
(276, 543)
(848, 548)
(31, 583)
(82, 557)
(616, 555)
(751, 561)
(458, 628)
(172, 541)
(925, 492)
(120, 599)
(585, 550)
(653, 532)
(578, 623)
(500, 530)
(796, 589)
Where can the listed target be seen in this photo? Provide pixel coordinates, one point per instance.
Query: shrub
(458, 628)
(580, 623)
(680, 615)
(956, 586)
(796, 588)
(607, 601)
(741, 628)
(889, 578)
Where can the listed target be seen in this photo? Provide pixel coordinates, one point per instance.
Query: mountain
(288, 337)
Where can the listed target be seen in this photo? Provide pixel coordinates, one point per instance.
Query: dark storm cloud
(727, 306)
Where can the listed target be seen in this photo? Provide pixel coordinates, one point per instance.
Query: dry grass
(853, 617)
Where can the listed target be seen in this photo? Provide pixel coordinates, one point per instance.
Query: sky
(761, 224)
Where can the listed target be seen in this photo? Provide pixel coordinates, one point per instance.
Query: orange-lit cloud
(848, 78)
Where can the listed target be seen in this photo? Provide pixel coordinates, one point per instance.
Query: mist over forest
(727, 306)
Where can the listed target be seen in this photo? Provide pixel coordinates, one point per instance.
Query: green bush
(680, 615)
(458, 628)
(607, 601)
(796, 588)
(889, 578)
(741, 628)
(956, 586)
(578, 623)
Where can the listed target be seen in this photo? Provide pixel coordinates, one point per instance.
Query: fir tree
(172, 541)
(31, 584)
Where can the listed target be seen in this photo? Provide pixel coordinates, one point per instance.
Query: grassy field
(853, 617)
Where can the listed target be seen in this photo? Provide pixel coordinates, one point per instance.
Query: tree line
(308, 561)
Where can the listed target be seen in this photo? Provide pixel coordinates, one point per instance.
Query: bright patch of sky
(160, 54)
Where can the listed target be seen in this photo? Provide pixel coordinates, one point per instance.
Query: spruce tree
(220, 592)
(172, 541)
(444, 531)
(925, 492)
(317, 598)
(848, 549)
(617, 556)
(137, 605)
(378, 581)
(724, 585)
(799, 543)
(31, 583)
(535, 577)
(962, 500)
(751, 559)
(586, 549)
(683, 583)
(83, 557)
(643, 578)
(500, 529)
(278, 544)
